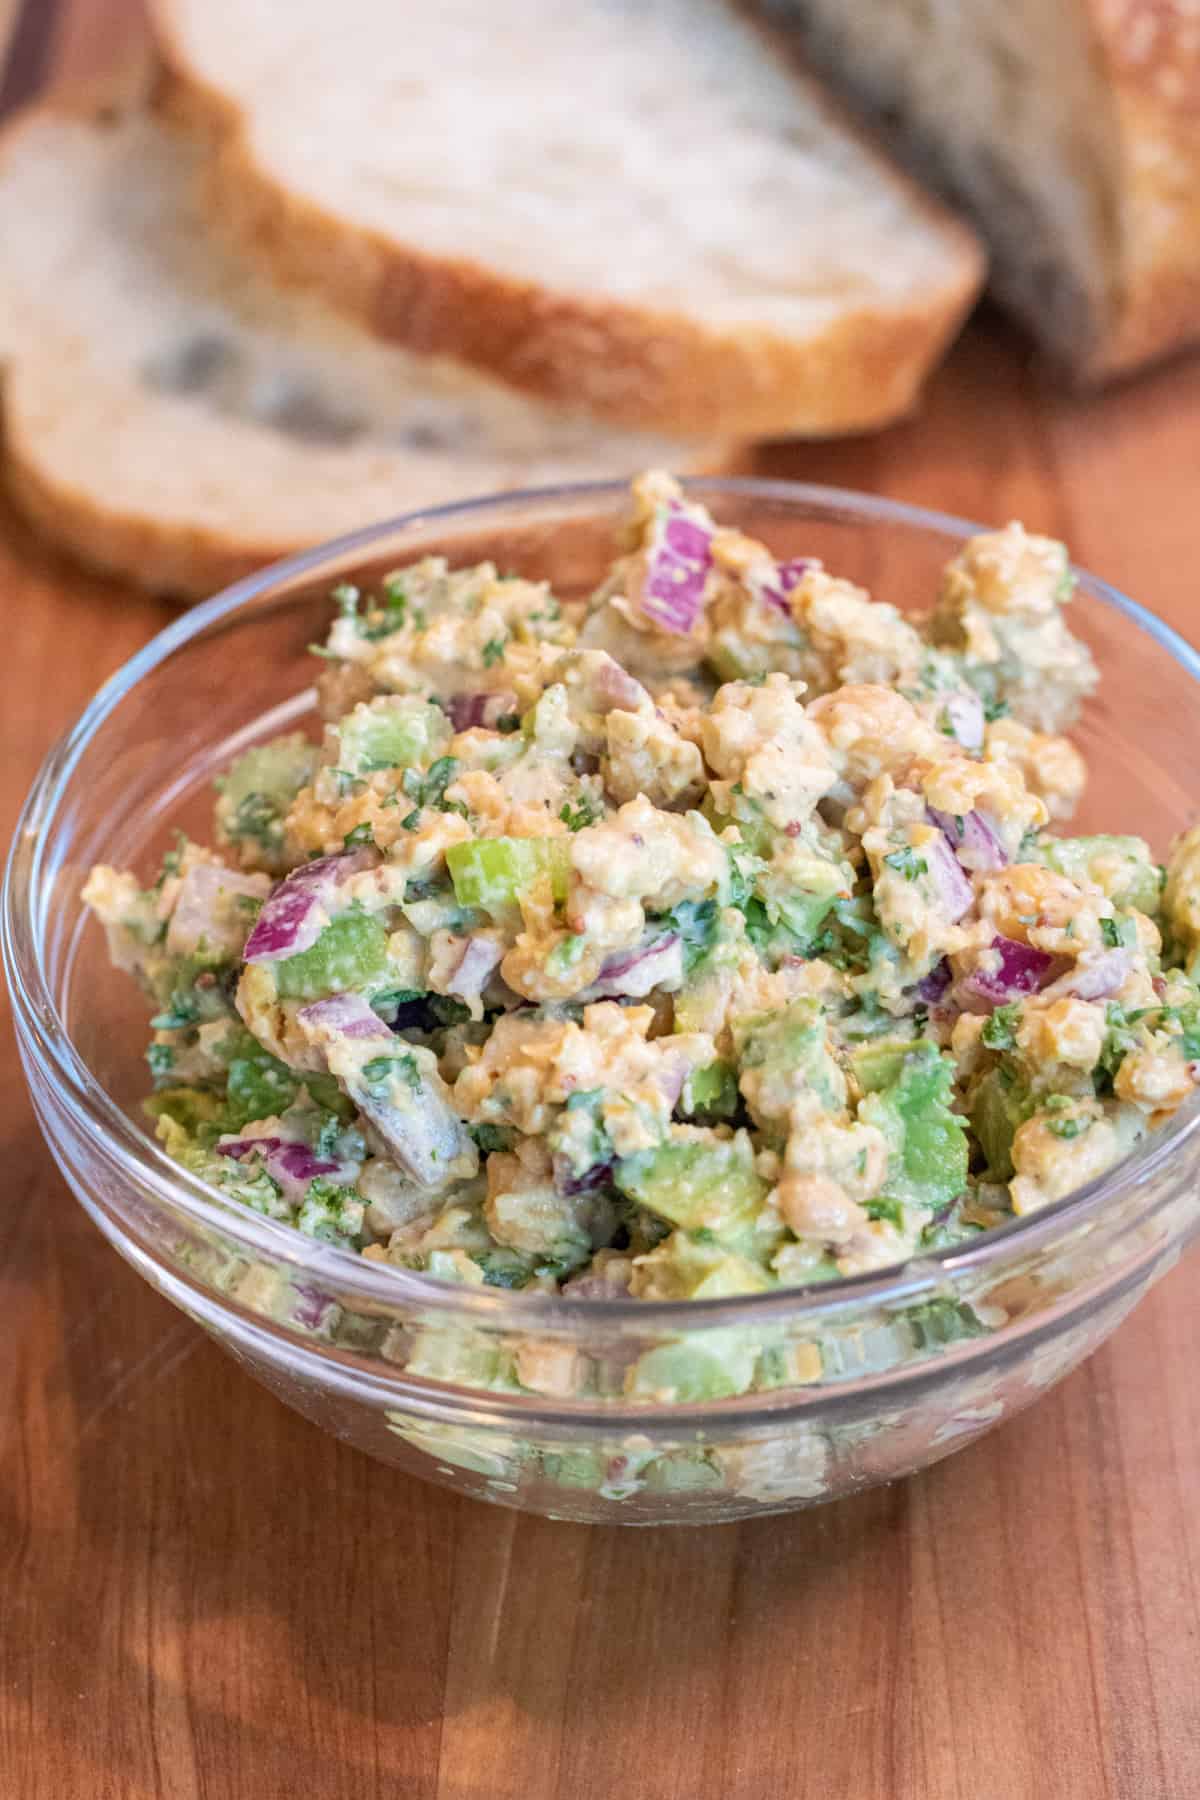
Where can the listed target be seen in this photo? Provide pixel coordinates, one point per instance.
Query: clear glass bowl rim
(42, 1032)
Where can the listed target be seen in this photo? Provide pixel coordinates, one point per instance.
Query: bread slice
(636, 205)
(1070, 128)
(177, 420)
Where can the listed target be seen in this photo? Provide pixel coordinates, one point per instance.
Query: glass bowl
(781, 1399)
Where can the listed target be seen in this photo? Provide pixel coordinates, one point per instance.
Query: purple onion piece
(679, 556)
(202, 914)
(569, 1180)
(631, 974)
(954, 891)
(467, 711)
(292, 1165)
(479, 961)
(614, 689)
(963, 712)
(313, 1308)
(1023, 970)
(934, 986)
(973, 840)
(1096, 976)
(775, 587)
(344, 1015)
(293, 917)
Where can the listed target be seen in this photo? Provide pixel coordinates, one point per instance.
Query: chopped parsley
(586, 811)
(493, 651)
(382, 1070)
(1000, 1032)
(906, 862)
(1119, 934)
(429, 790)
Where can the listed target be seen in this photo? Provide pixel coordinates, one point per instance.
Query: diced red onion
(467, 711)
(614, 689)
(480, 958)
(422, 1132)
(313, 1308)
(963, 712)
(294, 916)
(954, 891)
(679, 556)
(973, 840)
(344, 1015)
(775, 584)
(569, 1180)
(1022, 970)
(631, 974)
(933, 987)
(292, 1165)
(199, 915)
(1096, 975)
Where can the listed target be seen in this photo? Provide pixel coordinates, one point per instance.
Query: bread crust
(1150, 50)
(53, 394)
(631, 365)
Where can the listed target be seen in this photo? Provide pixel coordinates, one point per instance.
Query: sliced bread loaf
(1071, 128)
(634, 205)
(178, 420)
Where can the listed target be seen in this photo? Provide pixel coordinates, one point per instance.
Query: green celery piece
(350, 953)
(710, 1365)
(878, 1063)
(699, 1185)
(260, 787)
(492, 873)
(928, 1142)
(1137, 881)
(390, 734)
(1000, 1104)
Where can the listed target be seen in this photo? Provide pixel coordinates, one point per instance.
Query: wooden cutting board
(203, 1598)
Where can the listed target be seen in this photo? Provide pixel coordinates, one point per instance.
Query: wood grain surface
(203, 1598)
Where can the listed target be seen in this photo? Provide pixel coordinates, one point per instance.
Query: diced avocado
(700, 1182)
(712, 1090)
(350, 953)
(1001, 1103)
(755, 832)
(492, 873)
(257, 792)
(708, 1365)
(1122, 866)
(878, 1064)
(695, 1266)
(732, 1275)
(927, 1165)
(391, 732)
(790, 1043)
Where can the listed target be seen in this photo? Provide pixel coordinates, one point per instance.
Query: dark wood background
(202, 1598)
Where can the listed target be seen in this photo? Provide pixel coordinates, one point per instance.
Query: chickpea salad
(716, 934)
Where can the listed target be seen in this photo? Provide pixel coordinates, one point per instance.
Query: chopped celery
(493, 873)
(391, 732)
(350, 953)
